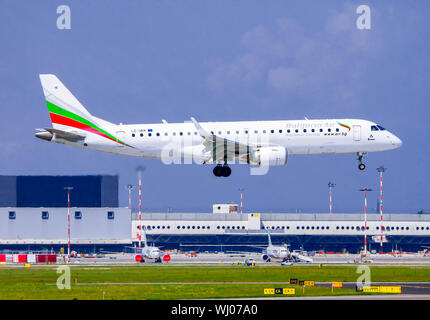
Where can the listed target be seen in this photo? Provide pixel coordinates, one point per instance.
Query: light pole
(241, 200)
(365, 189)
(140, 169)
(330, 186)
(68, 221)
(381, 170)
(129, 187)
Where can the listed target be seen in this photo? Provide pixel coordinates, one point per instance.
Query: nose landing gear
(222, 171)
(360, 155)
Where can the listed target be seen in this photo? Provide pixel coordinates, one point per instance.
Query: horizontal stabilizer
(49, 133)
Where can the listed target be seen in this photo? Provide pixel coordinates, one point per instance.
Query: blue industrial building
(48, 191)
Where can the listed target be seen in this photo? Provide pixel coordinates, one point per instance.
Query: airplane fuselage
(297, 136)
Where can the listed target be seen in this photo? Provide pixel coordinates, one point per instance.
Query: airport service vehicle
(249, 262)
(256, 143)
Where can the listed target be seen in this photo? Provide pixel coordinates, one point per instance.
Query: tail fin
(269, 238)
(145, 244)
(61, 103)
(68, 114)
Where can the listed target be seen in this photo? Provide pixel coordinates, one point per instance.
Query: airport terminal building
(34, 215)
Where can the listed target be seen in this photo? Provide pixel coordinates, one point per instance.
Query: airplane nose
(396, 141)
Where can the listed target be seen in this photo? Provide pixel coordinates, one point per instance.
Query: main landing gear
(222, 171)
(360, 158)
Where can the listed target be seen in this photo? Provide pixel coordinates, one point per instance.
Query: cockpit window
(380, 128)
(374, 128)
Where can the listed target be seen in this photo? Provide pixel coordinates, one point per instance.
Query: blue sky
(143, 61)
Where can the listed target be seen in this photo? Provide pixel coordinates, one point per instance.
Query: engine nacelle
(269, 156)
(264, 257)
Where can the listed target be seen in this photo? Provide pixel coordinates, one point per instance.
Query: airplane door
(120, 135)
(356, 133)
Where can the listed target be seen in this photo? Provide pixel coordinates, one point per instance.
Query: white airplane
(148, 251)
(282, 252)
(274, 252)
(257, 143)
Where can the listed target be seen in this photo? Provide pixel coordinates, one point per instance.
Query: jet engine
(269, 156)
(264, 257)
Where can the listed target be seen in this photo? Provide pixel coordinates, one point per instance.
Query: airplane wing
(222, 149)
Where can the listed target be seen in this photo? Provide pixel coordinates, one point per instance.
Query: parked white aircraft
(274, 252)
(259, 143)
(282, 252)
(148, 251)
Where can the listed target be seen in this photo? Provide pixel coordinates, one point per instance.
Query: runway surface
(224, 258)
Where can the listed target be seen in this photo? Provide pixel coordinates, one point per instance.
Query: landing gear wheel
(217, 171)
(361, 166)
(226, 172)
(222, 171)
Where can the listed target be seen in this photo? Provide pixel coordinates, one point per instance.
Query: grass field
(199, 282)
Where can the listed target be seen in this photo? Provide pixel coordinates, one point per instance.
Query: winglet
(199, 128)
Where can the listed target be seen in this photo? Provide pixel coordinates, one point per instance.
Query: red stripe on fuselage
(57, 119)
